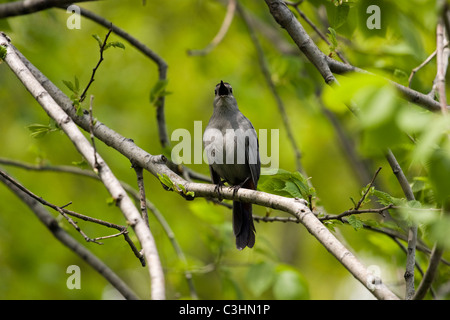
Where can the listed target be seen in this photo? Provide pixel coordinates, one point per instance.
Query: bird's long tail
(243, 226)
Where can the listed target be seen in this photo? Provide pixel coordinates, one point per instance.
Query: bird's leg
(238, 186)
(217, 188)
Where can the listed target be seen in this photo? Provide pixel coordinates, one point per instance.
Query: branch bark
(84, 147)
(160, 62)
(52, 225)
(287, 20)
(157, 165)
(326, 65)
(18, 8)
(412, 231)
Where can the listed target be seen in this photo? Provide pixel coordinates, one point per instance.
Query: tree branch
(157, 165)
(412, 231)
(18, 8)
(326, 65)
(268, 77)
(137, 197)
(48, 204)
(66, 123)
(442, 63)
(287, 20)
(428, 278)
(162, 66)
(47, 219)
(316, 29)
(231, 9)
(92, 79)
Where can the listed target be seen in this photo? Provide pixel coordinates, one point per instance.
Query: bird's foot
(238, 186)
(217, 189)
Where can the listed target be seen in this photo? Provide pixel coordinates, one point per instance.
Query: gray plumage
(231, 145)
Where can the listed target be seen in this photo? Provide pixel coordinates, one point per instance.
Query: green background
(286, 262)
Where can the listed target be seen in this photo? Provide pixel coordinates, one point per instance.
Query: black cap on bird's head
(223, 89)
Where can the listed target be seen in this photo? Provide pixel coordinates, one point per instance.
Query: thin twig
(355, 211)
(66, 239)
(158, 215)
(142, 199)
(156, 165)
(48, 204)
(111, 183)
(268, 77)
(112, 235)
(102, 49)
(231, 8)
(276, 218)
(316, 29)
(367, 189)
(64, 212)
(420, 66)
(91, 125)
(161, 64)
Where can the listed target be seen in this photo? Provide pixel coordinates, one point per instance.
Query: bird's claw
(219, 193)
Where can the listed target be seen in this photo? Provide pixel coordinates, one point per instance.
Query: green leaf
(77, 84)
(40, 130)
(378, 104)
(165, 180)
(439, 171)
(158, 90)
(338, 14)
(79, 109)
(429, 141)
(189, 194)
(3, 52)
(260, 277)
(99, 40)
(291, 188)
(204, 211)
(355, 222)
(114, 44)
(290, 284)
(288, 184)
(332, 38)
(386, 199)
(73, 86)
(69, 85)
(330, 224)
(111, 201)
(81, 164)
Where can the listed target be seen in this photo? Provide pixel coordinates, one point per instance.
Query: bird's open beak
(223, 90)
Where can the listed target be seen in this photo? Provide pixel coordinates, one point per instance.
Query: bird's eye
(215, 91)
(231, 90)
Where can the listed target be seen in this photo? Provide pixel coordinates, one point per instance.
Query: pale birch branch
(59, 233)
(157, 165)
(84, 147)
(159, 61)
(134, 193)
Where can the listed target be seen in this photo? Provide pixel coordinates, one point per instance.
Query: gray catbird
(231, 146)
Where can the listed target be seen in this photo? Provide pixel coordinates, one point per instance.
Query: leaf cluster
(288, 184)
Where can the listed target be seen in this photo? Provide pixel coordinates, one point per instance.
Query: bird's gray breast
(230, 145)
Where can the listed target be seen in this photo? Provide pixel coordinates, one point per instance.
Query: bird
(232, 149)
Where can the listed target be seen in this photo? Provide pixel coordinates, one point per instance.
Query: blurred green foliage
(286, 263)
